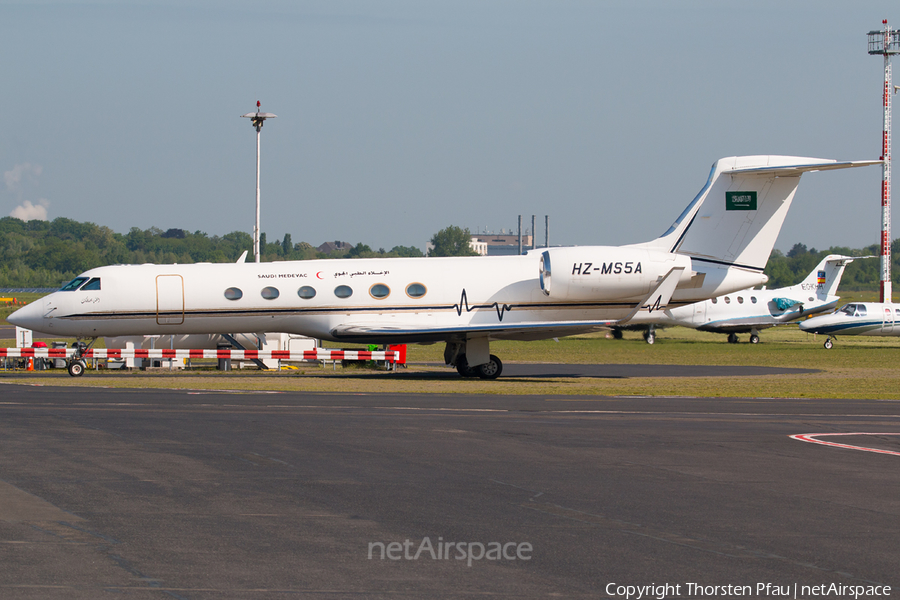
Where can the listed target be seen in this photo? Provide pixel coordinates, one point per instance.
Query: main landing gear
(754, 337)
(828, 343)
(489, 370)
(489, 367)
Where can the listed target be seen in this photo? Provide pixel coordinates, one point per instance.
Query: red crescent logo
(319, 275)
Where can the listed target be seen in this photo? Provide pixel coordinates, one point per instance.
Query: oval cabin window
(415, 290)
(379, 291)
(343, 291)
(234, 293)
(269, 293)
(307, 292)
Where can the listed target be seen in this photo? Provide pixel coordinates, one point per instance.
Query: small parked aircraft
(749, 311)
(718, 245)
(856, 318)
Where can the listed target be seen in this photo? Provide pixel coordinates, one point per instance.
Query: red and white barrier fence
(317, 354)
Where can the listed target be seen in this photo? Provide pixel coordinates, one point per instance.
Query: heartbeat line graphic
(464, 303)
(655, 306)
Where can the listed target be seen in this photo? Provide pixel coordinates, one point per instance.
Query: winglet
(659, 297)
(243, 256)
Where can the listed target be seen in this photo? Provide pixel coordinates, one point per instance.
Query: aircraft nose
(29, 316)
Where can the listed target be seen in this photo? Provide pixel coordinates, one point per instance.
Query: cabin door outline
(169, 299)
(887, 323)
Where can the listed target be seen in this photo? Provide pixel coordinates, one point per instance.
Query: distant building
(500, 244)
(329, 247)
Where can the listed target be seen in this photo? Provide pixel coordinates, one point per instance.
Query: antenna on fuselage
(257, 119)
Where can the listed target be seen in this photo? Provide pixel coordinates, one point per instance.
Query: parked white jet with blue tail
(856, 318)
(719, 245)
(749, 311)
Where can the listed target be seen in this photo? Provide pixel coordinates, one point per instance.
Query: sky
(398, 118)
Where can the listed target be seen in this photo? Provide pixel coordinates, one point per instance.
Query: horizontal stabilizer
(790, 170)
(659, 298)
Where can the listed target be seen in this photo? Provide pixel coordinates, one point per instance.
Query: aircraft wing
(657, 299)
(399, 334)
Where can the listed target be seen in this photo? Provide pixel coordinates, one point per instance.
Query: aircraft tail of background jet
(826, 277)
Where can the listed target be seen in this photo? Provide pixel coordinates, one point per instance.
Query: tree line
(49, 253)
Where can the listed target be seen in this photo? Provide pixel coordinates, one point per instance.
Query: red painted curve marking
(811, 438)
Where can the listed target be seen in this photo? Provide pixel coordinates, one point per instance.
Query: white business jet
(856, 318)
(719, 244)
(749, 311)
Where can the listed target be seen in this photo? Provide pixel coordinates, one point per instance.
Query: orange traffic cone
(30, 365)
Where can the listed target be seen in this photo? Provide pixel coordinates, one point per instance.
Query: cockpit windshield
(73, 285)
(854, 310)
(93, 284)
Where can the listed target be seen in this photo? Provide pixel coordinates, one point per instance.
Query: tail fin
(737, 216)
(826, 277)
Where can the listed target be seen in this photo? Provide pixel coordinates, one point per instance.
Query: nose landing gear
(76, 364)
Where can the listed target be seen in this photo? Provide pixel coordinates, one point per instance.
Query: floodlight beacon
(885, 42)
(257, 119)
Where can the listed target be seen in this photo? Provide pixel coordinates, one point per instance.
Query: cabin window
(727, 300)
(379, 291)
(753, 299)
(73, 285)
(740, 299)
(269, 293)
(307, 292)
(93, 284)
(343, 291)
(715, 300)
(415, 290)
(234, 293)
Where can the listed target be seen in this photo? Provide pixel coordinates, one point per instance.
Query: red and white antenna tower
(885, 42)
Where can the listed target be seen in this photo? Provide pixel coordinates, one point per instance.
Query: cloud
(30, 212)
(14, 177)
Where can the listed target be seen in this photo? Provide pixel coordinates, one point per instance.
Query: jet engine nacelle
(606, 272)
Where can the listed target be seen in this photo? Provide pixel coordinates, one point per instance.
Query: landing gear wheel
(828, 344)
(732, 338)
(76, 368)
(463, 368)
(649, 337)
(754, 339)
(617, 334)
(491, 369)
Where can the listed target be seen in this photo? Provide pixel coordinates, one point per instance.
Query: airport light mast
(257, 119)
(885, 42)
